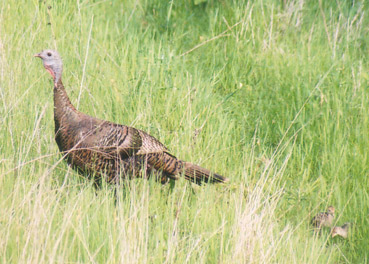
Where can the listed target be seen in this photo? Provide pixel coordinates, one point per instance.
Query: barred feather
(104, 149)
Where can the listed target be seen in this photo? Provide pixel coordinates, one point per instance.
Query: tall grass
(272, 94)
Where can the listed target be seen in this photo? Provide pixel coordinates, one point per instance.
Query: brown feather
(104, 149)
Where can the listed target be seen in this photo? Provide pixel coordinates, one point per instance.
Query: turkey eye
(49, 54)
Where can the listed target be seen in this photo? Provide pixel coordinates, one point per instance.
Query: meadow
(273, 95)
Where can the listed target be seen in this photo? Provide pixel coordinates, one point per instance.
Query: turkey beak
(37, 55)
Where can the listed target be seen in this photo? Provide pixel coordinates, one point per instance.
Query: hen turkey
(102, 149)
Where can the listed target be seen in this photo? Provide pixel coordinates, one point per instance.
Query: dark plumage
(101, 148)
(324, 218)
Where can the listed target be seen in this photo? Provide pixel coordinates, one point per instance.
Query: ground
(271, 94)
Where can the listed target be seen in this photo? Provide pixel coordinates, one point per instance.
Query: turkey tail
(198, 174)
(174, 168)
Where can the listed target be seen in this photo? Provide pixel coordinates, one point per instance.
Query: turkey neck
(65, 114)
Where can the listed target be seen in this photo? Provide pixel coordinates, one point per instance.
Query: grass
(272, 94)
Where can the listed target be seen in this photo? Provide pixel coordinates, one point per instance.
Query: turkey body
(95, 147)
(101, 148)
(105, 150)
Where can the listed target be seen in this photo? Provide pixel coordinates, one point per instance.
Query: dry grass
(272, 94)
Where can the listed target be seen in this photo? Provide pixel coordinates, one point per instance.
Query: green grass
(276, 98)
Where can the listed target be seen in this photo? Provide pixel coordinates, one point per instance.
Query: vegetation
(272, 94)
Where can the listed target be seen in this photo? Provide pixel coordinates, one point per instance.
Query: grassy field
(272, 94)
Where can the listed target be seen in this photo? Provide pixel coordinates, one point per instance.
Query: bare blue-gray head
(52, 63)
